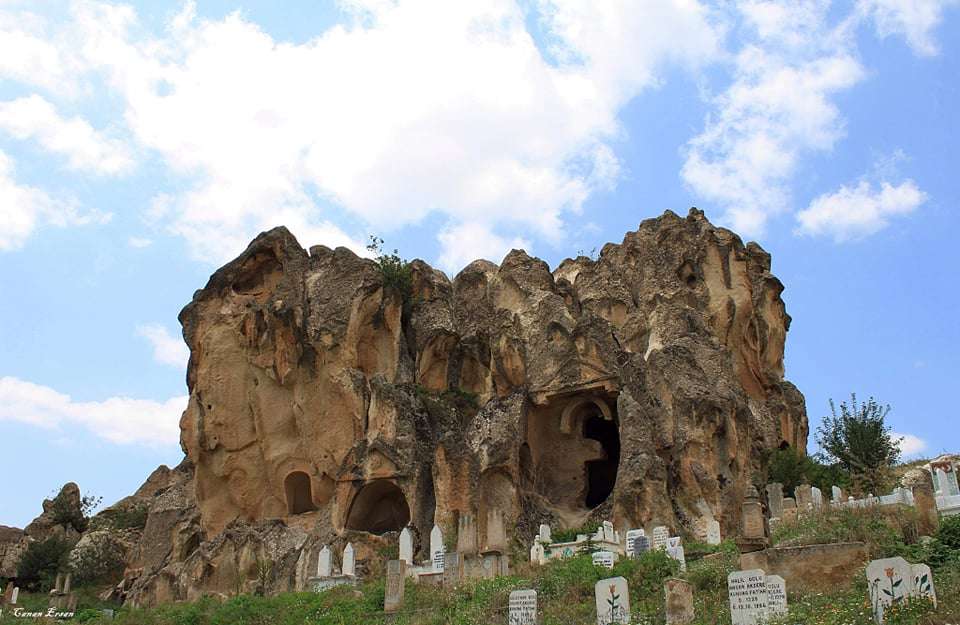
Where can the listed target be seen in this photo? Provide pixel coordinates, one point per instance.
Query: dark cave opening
(299, 493)
(602, 474)
(378, 508)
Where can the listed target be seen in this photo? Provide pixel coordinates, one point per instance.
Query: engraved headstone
(324, 568)
(452, 570)
(467, 535)
(748, 596)
(923, 583)
(660, 536)
(349, 563)
(544, 534)
(804, 495)
(613, 601)
(890, 581)
(603, 558)
(837, 494)
(436, 548)
(713, 532)
(631, 540)
(538, 554)
(816, 497)
(776, 595)
(609, 534)
(523, 607)
(675, 551)
(393, 592)
(775, 499)
(679, 601)
(406, 546)
(752, 521)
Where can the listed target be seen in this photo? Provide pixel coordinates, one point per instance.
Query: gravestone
(890, 581)
(641, 544)
(748, 596)
(609, 534)
(816, 497)
(675, 551)
(804, 495)
(436, 548)
(15, 596)
(523, 607)
(713, 532)
(776, 595)
(837, 494)
(467, 535)
(660, 536)
(789, 510)
(452, 570)
(393, 592)
(603, 558)
(324, 568)
(678, 596)
(752, 526)
(631, 539)
(67, 583)
(538, 554)
(406, 546)
(496, 531)
(544, 534)
(7, 594)
(613, 601)
(775, 499)
(923, 583)
(349, 563)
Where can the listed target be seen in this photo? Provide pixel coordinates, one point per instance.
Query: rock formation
(331, 401)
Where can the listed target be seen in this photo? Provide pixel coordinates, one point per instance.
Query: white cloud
(120, 420)
(412, 108)
(24, 208)
(854, 212)
(86, 149)
(777, 109)
(911, 446)
(139, 242)
(167, 349)
(914, 20)
(467, 242)
(32, 55)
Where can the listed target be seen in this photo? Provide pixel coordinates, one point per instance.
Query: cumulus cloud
(910, 446)
(855, 212)
(24, 208)
(120, 420)
(914, 20)
(777, 109)
(139, 242)
(86, 149)
(467, 242)
(167, 348)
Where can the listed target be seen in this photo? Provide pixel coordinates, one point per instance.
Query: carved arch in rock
(380, 506)
(576, 408)
(299, 493)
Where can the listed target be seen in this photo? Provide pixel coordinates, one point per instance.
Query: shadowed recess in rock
(602, 474)
(378, 508)
(299, 493)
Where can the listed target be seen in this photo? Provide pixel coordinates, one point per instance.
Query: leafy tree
(792, 468)
(859, 441)
(396, 271)
(66, 513)
(41, 561)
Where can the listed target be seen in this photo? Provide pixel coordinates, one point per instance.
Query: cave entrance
(602, 473)
(378, 508)
(299, 493)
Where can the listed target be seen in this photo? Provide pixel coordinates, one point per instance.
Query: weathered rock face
(641, 386)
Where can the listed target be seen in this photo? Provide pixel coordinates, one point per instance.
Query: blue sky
(143, 144)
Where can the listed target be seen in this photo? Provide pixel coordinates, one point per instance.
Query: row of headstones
(348, 566)
(10, 595)
(811, 498)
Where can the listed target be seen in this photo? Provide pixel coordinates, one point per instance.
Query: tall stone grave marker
(675, 551)
(467, 535)
(776, 595)
(15, 596)
(7, 594)
(436, 549)
(775, 499)
(452, 570)
(324, 568)
(748, 596)
(890, 581)
(789, 509)
(406, 546)
(613, 601)
(538, 555)
(923, 583)
(496, 531)
(523, 607)
(679, 601)
(837, 494)
(349, 563)
(816, 497)
(660, 537)
(393, 594)
(603, 558)
(713, 532)
(631, 540)
(544, 534)
(804, 495)
(752, 526)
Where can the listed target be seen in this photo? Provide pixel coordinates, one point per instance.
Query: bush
(949, 532)
(40, 563)
(396, 272)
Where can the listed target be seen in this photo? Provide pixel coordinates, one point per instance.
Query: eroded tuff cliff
(640, 386)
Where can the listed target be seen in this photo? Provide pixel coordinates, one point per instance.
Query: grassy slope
(566, 589)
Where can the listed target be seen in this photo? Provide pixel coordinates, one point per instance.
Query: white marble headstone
(523, 607)
(15, 596)
(776, 595)
(613, 601)
(545, 536)
(349, 564)
(631, 540)
(603, 558)
(660, 536)
(538, 554)
(406, 546)
(436, 548)
(609, 534)
(713, 532)
(748, 596)
(324, 569)
(817, 497)
(890, 581)
(677, 554)
(922, 583)
(837, 494)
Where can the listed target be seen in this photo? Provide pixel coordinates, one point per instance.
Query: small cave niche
(299, 493)
(572, 450)
(378, 508)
